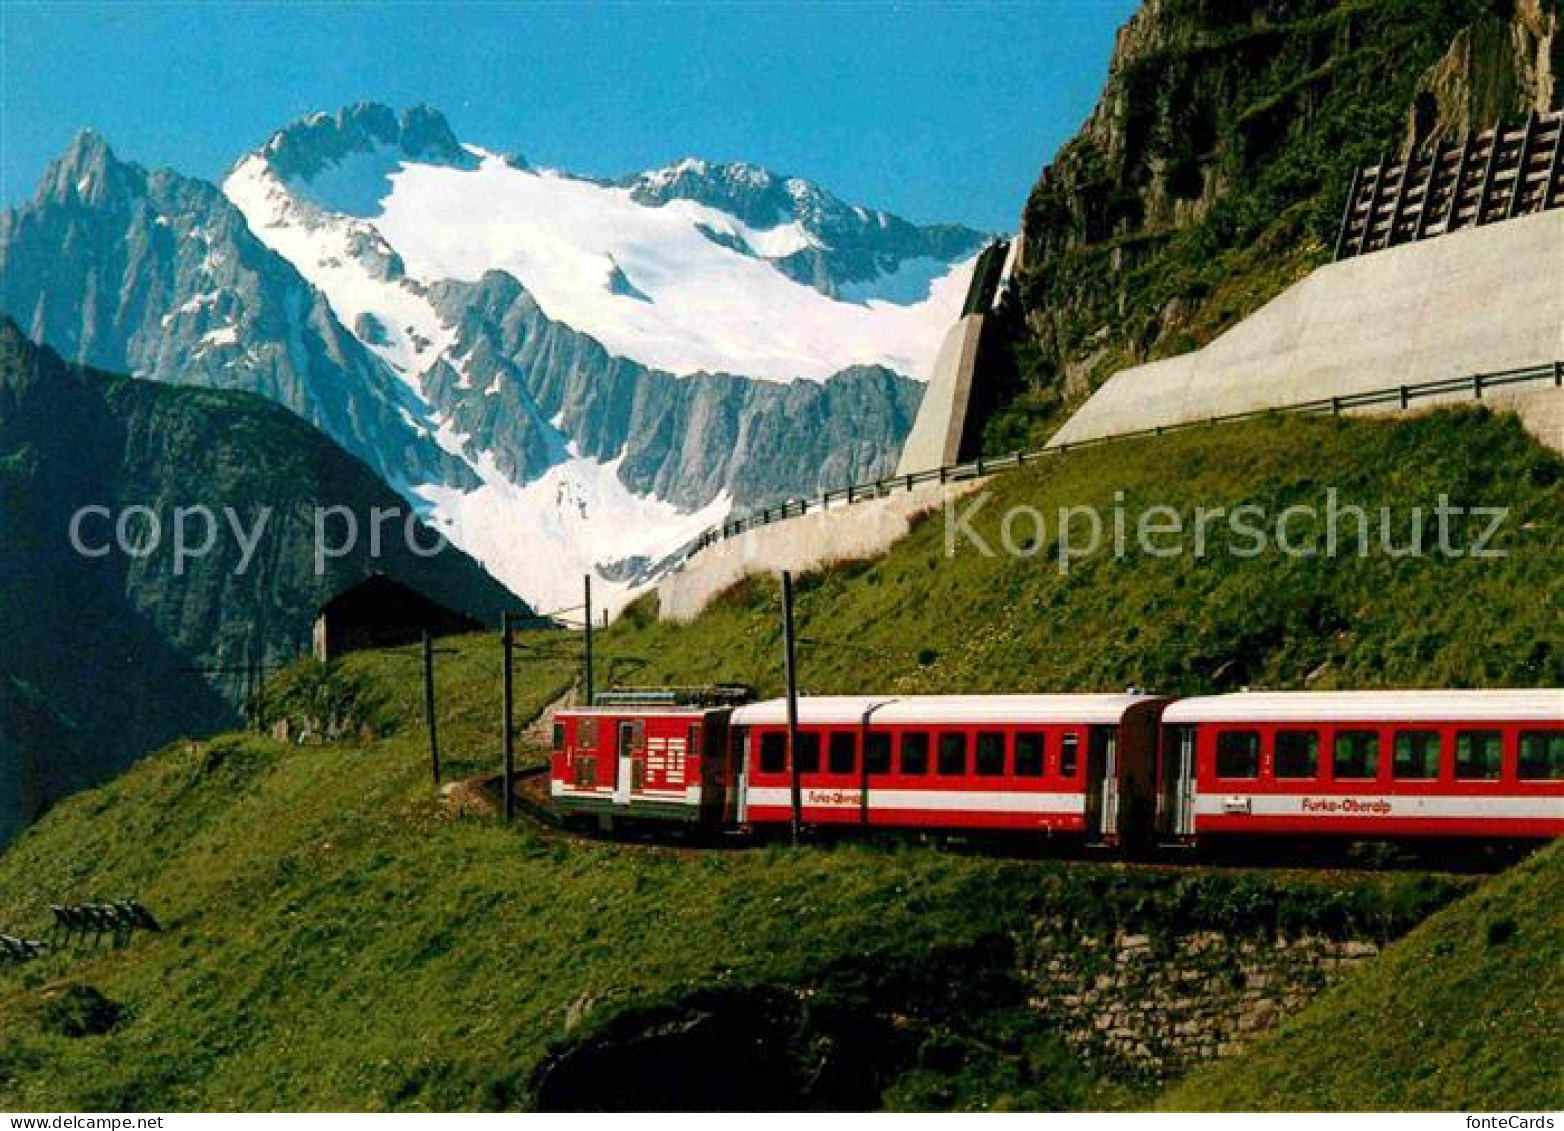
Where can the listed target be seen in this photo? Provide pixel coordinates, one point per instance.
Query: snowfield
(712, 309)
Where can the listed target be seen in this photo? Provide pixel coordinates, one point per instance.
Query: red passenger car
(1364, 764)
(662, 755)
(1079, 765)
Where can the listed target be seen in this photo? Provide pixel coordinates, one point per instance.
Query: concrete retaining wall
(1477, 301)
(935, 439)
(809, 542)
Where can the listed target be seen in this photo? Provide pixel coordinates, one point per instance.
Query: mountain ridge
(548, 447)
(171, 638)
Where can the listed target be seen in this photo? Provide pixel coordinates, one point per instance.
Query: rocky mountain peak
(89, 171)
(309, 145)
(752, 193)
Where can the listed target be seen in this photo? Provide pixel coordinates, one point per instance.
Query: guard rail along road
(1400, 397)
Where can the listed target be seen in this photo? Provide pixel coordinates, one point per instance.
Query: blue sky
(933, 111)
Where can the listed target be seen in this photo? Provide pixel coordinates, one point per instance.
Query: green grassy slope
(333, 941)
(337, 940)
(916, 620)
(1466, 1012)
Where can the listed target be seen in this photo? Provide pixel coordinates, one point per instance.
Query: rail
(1403, 396)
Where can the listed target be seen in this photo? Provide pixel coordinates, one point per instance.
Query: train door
(1102, 784)
(1176, 796)
(631, 750)
(738, 795)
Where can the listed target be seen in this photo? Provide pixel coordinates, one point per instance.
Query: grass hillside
(1466, 1012)
(334, 941)
(337, 938)
(917, 620)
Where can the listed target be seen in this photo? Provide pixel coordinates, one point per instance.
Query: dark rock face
(99, 664)
(1212, 172)
(853, 244)
(157, 275)
(758, 1049)
(1497, 68)
(685, 439)
(845, 1038)
(420, 133)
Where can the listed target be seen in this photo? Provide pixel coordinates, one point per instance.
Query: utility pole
(257, 663)
(509, 728)
(790, 672)
(587, 620)
(434, 739)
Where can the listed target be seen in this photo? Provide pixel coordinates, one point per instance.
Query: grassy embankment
(336, 940)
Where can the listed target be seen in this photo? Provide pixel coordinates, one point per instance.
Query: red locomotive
(1106, 769)
(645, 754)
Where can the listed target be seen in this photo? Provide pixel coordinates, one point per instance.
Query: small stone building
(380, 612)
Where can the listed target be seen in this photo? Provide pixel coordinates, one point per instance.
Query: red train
(1105, 769)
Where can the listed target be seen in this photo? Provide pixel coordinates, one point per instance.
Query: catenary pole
(509, 724)
(434, 738)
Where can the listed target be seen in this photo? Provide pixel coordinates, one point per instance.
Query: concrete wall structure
(935, 439)
(937, 434)
(1479, 300)
(809, 542)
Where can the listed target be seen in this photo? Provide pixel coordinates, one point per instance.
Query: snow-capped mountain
(565, 373)
(157, 275)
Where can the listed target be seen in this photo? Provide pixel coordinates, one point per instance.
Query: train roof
(632, 710)
(828, 710)
(1532, 705)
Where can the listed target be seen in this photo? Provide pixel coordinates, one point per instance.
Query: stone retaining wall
(1158, 1005)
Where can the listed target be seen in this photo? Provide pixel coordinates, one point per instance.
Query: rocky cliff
(157, 275)
(1212, 172)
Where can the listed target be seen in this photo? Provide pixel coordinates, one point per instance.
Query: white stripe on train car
(560, 789)
(1326, 806)
(689, 795)
(952, 800)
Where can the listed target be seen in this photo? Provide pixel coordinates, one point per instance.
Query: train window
(842, 752)
(1029, 755)
(914, 753)
(692, 743)
(990, 753)
(952, 755)
(1542, 755)
(1355, 755)
(586, 772)
(877, 753)
(586, 733)
(773, 753)
(1069, 751)
(806, 748)
(1297, 754)
(1238, 754)
(1478, 755)
(559, 736)
(1416, 755)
